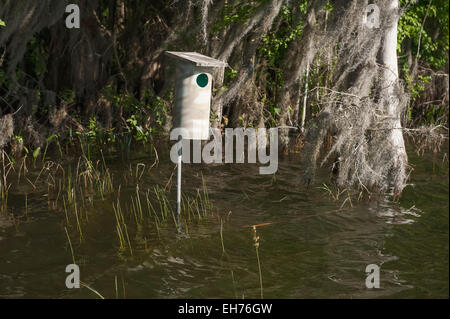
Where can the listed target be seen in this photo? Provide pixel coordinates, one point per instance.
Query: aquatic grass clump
(198, 206)
(164, 205)
(73, 189)
(94, 177)
(122, 230)
(194, 207)
(5, 169)
(338, 192)
(153, 209)
(256, 245)
(47, 143)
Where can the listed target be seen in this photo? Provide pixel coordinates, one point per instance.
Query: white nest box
(193, 88)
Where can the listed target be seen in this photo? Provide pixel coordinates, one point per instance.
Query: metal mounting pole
(180, 155)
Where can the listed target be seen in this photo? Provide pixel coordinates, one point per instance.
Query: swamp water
(309, 247)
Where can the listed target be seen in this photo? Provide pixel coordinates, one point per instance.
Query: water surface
(310, 248)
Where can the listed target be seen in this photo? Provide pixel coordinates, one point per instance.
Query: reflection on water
(309, 248)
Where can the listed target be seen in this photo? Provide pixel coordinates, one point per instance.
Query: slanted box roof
(197, 59)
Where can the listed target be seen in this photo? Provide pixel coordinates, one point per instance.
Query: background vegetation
(109, 80)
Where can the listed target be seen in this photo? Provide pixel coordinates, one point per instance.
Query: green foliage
(240, 12)
(428, 21)
(2, 23)
(48, 141)
(157, 106)
(19, 139)
(434, 37)
(417, 87)
(36, 57)
(35, 154)
(303, 6)
(143, 116)
(93, 129)
(136, 130)
(273, 50)
(97, 134)
(230, 73)
(68, 96)
(128, 102)
(275, 43)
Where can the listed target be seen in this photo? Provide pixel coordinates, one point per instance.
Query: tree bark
(392, 99)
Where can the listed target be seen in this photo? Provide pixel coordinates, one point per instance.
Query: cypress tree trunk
(391, 86)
